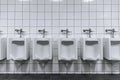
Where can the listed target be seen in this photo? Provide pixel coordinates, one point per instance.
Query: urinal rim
(42, 39)
(92, 39)
(113, 39)
(67, 39)
(17, 39)
(111, 59)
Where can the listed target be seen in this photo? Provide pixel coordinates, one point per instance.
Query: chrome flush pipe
(89, 31)
(19, 31)
(43, 32)
(66, 32)
(112, 31)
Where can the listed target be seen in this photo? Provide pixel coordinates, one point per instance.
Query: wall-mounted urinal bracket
(112, 32)
(43, 32)
(66, 32)
(19, 31)
(89, 31)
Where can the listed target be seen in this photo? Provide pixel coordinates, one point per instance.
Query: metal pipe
(89, 31)
(112, 32)
(19, 31)
(66, 32)
(42, 32)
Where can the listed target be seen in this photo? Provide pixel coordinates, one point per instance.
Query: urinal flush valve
(66, 32)
(88, 31)
(112, 31)
(43, 32)
(19, 31)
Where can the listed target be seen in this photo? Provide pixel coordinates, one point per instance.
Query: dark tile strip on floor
(59, 77)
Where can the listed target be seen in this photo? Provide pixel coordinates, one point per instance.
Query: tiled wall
(54, 15)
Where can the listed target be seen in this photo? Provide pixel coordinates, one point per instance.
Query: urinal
(3, 48)
(112, 48)
(67, 49)
(92, 49)
(42, 49)
(18, 49)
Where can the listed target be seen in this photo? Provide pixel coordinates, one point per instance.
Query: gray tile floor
(58, 77)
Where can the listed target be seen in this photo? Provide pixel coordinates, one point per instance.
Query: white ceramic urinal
(112, 48)
(42, 49)
(67, 49)
(3, 49)
(18, 49)
(92, 49)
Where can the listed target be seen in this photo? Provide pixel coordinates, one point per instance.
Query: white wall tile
(115, 1)
(11, 23)
(26, 7)
(115, 7)
(47, 8)
(107, 1)
(11, 15)
(3, 15)
(11, 7)
(3, 7)
(62, 8)
(18, 8)
(3, 1)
